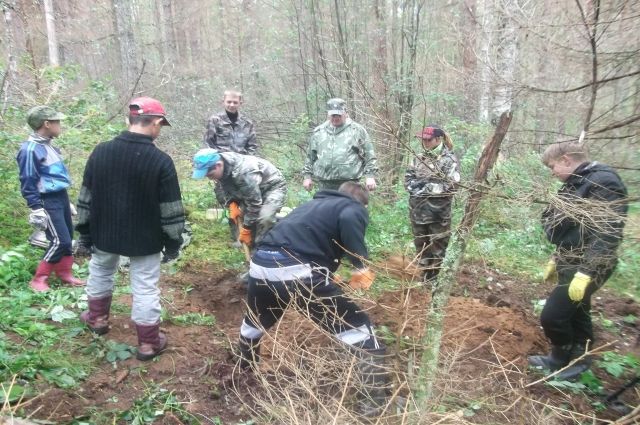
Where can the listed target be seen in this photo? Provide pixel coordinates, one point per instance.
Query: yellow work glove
(362, 279)
(245, 236)
(578, 285)
(234, 212)
(550, 274)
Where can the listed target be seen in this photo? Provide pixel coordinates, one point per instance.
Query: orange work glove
(362, 279)
(234, 212)
(245, 236)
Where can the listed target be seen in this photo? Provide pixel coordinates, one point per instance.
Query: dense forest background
(561, 66)
(566, 70)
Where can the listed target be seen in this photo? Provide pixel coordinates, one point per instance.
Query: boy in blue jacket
(44, 180)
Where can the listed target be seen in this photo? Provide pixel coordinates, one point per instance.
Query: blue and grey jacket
(41, 170)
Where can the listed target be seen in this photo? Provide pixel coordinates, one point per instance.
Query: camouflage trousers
(272, 202)
(431, 241)
(219, 194)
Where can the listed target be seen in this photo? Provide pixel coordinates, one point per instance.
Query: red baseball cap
(430, 132)
(147, 106)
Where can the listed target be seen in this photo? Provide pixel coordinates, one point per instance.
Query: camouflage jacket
(248, 179)
(344, 153)
(225, 136)
(432, 174)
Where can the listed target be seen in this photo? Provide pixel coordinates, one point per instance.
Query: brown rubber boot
(39, 281)
(151, 341)
(97, 317)
(63, 271)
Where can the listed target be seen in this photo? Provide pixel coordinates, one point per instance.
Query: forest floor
(490, 329)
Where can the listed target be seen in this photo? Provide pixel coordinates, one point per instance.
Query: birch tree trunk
(486, 11)
(469, 29)
(506, 57)
(12, 65)
(52, 36)
(432, 338)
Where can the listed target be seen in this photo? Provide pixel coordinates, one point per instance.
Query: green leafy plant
(110, 351)
(617, 364)
(155, 404)
(193, 318)
(574, 387)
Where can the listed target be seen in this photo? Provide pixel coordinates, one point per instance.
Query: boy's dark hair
(576, 151)
(357, 192)
(143, 120)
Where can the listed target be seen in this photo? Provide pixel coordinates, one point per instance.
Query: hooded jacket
(322, 231)
(587, 218)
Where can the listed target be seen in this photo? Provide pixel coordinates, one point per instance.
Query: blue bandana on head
(203, 160)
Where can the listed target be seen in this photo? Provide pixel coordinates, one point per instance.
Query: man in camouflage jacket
(255, 185)
(339, 150)
(230, 131)
(430, 182)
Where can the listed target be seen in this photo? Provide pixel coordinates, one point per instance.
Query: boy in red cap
(130, 204)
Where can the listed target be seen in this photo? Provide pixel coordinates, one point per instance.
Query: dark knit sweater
(130, 202)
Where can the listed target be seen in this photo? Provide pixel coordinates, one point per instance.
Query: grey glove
(170, 254)
(38, 218)
(83, 246)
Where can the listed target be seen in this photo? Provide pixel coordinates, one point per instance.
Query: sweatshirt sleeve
(28, 159)
(210, 138)
(249, 188)
(84, 200)
(312, 155)
(252, 141)
(353, 223)
(370, 161)
(603, 236)
(171, 209)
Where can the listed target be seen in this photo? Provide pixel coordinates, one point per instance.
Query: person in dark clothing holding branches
(585, 222)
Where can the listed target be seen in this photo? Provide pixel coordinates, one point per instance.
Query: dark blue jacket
(322, 231)
(41, 170)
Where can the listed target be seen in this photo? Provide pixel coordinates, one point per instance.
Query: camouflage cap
(39, 114)
(336, 106)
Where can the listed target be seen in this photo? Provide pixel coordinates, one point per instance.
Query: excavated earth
(490, 329)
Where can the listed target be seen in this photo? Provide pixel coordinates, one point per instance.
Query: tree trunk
(486, 10)
(52, 37)
(123, 17)
(432, 338)
(506, 57)
(406, 80)
(346, 68)
(12, 64)
(469, 28)
(380, 66)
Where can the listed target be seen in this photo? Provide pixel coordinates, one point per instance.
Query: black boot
(248, 352)
(372, 397)
(557, 359)
(575, 370)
